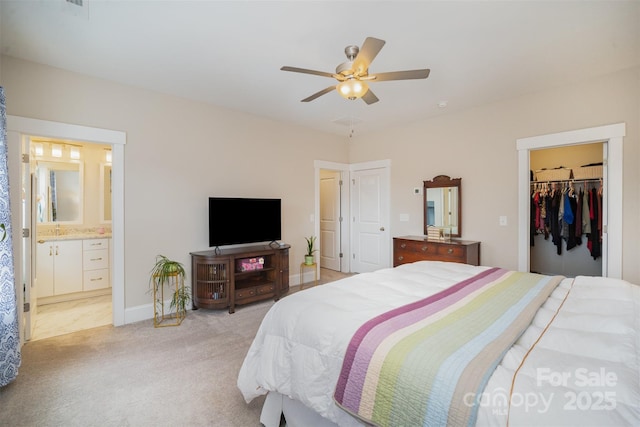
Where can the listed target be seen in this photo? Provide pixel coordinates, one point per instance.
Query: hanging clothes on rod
(566, 214)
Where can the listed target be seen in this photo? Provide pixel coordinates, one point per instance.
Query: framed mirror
(442, 204)
(59, 196)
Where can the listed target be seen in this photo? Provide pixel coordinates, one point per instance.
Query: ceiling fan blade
(402, 75)
(319, 94)
(314, 72)
(367, 54)
(369, 97)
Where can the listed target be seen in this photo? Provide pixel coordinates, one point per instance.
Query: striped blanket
(426, 363)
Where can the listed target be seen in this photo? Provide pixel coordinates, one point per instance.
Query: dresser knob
(403, 245)
(400, 258)
(450, 250)
(424, 248)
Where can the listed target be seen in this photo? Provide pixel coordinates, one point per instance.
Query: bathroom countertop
(74, 236)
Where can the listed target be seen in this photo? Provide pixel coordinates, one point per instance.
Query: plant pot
(308, 259)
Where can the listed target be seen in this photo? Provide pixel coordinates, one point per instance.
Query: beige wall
(479, 146)
(570, 157)
(178, 153)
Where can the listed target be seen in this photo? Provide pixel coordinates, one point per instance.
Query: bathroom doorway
(71, 222)
(18, 131)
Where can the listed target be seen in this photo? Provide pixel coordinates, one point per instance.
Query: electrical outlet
(503, 220)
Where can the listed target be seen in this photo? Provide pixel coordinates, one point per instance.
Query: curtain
(9, 338)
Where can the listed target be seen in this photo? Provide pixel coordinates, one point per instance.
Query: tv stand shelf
(219, 282)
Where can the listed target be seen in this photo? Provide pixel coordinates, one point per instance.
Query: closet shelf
(565, 174)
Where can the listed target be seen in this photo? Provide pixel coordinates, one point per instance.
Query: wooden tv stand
(229, 277)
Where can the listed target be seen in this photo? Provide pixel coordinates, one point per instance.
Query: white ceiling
(229, 53)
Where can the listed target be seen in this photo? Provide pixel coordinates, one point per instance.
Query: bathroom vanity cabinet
(58, 267)
(72, 265)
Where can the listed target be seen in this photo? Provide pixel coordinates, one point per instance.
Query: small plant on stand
(171, 274)
(309, 258)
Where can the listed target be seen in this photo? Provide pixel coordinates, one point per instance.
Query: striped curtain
(9, 338)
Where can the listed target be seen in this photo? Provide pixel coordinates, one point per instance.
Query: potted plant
(169, 272)
(308, 258)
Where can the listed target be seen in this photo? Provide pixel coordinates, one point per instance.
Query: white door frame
(345, 265)
(24, 126)
(347, 169)
(613, 135)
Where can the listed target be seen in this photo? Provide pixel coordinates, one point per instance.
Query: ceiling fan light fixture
(352, 89)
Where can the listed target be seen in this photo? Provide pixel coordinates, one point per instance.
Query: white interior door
(370, 218)
(28, 180)
(330, 219)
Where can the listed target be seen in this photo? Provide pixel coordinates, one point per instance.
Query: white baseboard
(138, 313)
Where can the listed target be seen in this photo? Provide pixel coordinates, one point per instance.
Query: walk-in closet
(567, 191)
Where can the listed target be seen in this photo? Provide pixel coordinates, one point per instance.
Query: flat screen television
(234, 220)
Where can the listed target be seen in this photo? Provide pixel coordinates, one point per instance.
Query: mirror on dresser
(442, 204)
(59, 196)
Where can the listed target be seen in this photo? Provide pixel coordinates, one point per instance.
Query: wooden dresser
(417, 248)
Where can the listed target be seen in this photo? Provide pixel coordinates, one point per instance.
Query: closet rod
(574, 180)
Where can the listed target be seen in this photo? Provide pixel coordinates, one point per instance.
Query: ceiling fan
(353, 75)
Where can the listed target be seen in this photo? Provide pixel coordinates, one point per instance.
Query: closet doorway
(613, 136)
(566, 204)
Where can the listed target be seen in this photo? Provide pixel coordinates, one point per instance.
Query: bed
(575, 362)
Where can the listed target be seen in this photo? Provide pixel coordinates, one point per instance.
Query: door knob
(381, 228)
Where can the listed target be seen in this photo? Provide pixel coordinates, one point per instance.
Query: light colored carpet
(138, 375)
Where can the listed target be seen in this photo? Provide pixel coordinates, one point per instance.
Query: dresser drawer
(415, 246)
(412, 249)
(449, 251)
(94, 260)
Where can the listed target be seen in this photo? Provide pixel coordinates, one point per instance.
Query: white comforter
(583, 371)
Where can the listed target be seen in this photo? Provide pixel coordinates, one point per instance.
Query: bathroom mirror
(442, 206)
(59, 194)
(105, 193)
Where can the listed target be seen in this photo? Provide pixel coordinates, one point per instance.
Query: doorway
(330, 241)
(70, 187)
(18, 128)
(329, 184)
(365, 203)
(613, 136)
(565, 194)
